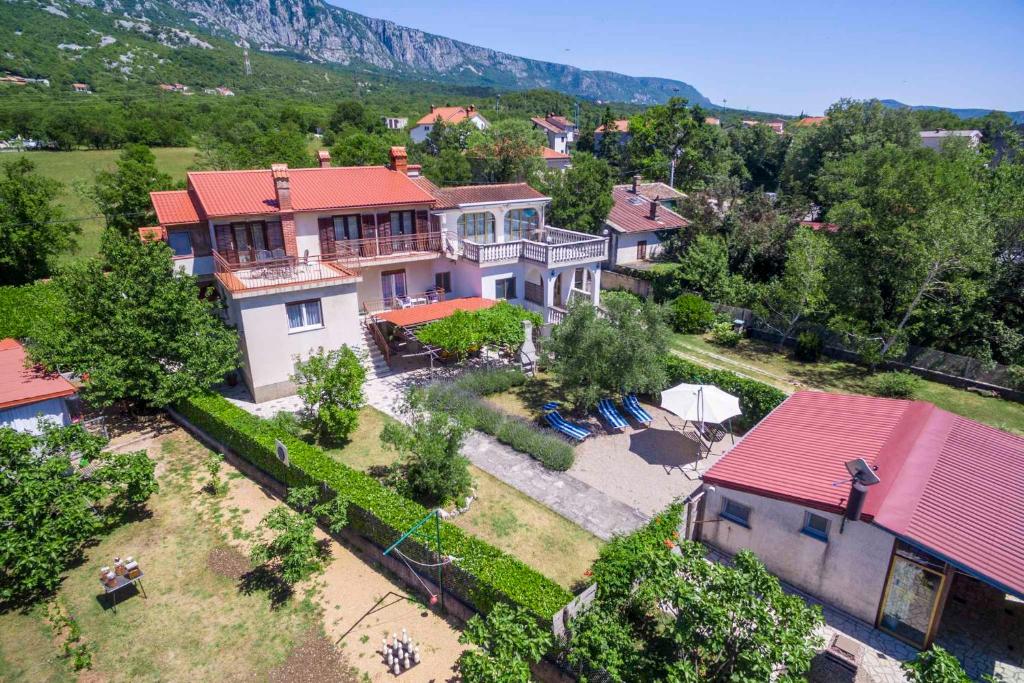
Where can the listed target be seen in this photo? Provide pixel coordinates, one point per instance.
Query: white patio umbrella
(700, 403)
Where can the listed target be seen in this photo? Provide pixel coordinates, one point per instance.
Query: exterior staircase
(373, 359)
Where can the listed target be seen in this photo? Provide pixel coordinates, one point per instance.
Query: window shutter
(384, 232)
(422, 222)
(200, 240)
(369, 247)
(326, 229)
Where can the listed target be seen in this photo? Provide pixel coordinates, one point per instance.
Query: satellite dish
(862, 472)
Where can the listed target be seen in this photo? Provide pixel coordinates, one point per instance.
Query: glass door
(392, 285)
(912, 592)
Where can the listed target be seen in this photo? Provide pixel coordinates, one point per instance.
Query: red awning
(417, 315)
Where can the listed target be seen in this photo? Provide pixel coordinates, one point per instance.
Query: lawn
(195, 624)
(500, 515)
(76, 170)
(762, 362)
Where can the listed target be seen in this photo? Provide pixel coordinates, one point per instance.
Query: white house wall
(25, 418)
(626, 243)
(848, 571)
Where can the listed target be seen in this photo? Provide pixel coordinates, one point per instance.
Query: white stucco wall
(25, 418)
(268, 346)
(625, 251)
(848, 570)
(419, 277)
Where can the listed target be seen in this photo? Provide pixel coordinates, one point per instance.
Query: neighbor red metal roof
(241, 193)
(174, 207)
(632, 213)
(417, 315)
(812, 120)
(22, 386)
(452, 197)
(948, 484)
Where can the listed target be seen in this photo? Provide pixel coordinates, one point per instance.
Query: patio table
(121, 581)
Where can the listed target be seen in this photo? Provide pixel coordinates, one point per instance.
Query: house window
(180, 243)
(815, 526)
(346, 228)
(304, 315)
(519, 223)
(443, 281)
(735, 512)
(478, 227)
(505, 288)
(392, 286)
(403, 222)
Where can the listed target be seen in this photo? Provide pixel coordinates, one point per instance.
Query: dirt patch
(228, 561)
(314, 660)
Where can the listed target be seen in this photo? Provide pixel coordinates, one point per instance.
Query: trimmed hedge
(483, 574)
(757, 399)
(552, 451)
(23, 309)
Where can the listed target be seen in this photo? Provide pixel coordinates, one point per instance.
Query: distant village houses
(395, 122)
(80, 87)
(559, 130)
(448, 115)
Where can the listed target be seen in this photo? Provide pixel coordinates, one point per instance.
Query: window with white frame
(180, 243)
(478, 227)
(505, 288)
(304, 315)
(735, 512)
(520, 222)
(815, 526)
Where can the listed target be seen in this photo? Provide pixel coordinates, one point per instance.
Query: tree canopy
(507, 151)
(581, 196)
(123, 194)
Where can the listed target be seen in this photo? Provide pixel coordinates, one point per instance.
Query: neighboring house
(80, 87)
(817, 226)
(554, 159)
(640, 220)
(174, 87)
(621, 125)
(559, 130)
(448, 115)
(777, 125)
(941, 534)
(712, 121)
(301, 256)
(224, 92)
(812, 121)
(395, 122)
(27, 394)
(933, 139)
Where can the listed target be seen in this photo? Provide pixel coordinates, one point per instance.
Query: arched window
(520, 222)
(478, 227)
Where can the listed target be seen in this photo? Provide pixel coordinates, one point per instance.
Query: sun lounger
(611, 415)
(559, 423)
(634, 409)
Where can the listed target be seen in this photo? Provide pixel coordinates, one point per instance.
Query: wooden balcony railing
(238, 276)
(358, 252)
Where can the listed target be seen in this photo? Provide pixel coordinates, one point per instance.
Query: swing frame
(435, 513)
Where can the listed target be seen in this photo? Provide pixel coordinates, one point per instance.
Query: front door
(641, 250)
(392, 286)
(912, 592)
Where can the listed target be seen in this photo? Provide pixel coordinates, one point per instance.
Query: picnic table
(121, 581)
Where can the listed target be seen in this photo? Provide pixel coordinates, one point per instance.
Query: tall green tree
(599, 355)
(359, 148)
(609, 145)
(508, 151)
(33, 228)
(123, 194)
(581, 196)
(135, 329)
(762, 152)
(253, 144)
(50, 512)
(450, 167)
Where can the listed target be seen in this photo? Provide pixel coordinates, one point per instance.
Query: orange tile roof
(447, 114)
(417, 315)
(621, 125)
(632, 213)
(549, 153)
(812, 120)
(452, 197)
(174, 207)
(547, 125)
(22, 386)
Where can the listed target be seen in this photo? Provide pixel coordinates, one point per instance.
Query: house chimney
(399, 160)
(432, 107)
(324, 157)
(636, 183)
(282, 187)
(654, 209)
(414, 170)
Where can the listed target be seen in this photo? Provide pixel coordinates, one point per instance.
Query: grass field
(762, 362)
(76, 171)
(195, 624)
(500, 514)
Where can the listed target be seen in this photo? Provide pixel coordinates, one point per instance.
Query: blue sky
(780, 56)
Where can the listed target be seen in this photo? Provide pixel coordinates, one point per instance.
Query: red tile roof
(549, 153)
(240, 193)
(817, 225)
(453, 197)
(175, 207)
(547, 125)
(23, 386)
(417, 315)
(621, 125)
(812, 120)
(447, 114)
(561, 121)
(632, 213)
(952, 486)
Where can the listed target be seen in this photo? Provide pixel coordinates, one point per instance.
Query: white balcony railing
(550, 246)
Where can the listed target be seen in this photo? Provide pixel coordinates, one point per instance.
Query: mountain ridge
(962, 112)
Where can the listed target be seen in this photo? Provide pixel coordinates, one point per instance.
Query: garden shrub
(483, 574)
(723, 334)
(690, 314)
(935, 665)
(757, 399)
(809, 346)
(23, 309)
(486, 382)
(552, 451)
(896, 384)
(465, 332)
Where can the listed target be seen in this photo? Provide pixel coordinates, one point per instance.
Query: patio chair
(561, 425)
(634, 409)
(432, 296)
(611, 415)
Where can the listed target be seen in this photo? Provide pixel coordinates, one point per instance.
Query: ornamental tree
(123, 194)
(330, 384)
(50, 512)
(288, 546)
(508, 641)
(663, 612)
(135, 329)
(581, 196)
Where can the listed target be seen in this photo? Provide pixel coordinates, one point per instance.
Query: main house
(930, 531)
(302, 256)
(447, 115)
(641, 219)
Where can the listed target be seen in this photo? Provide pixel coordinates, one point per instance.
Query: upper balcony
(549, 246)
(388, 249)
(244, 276)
